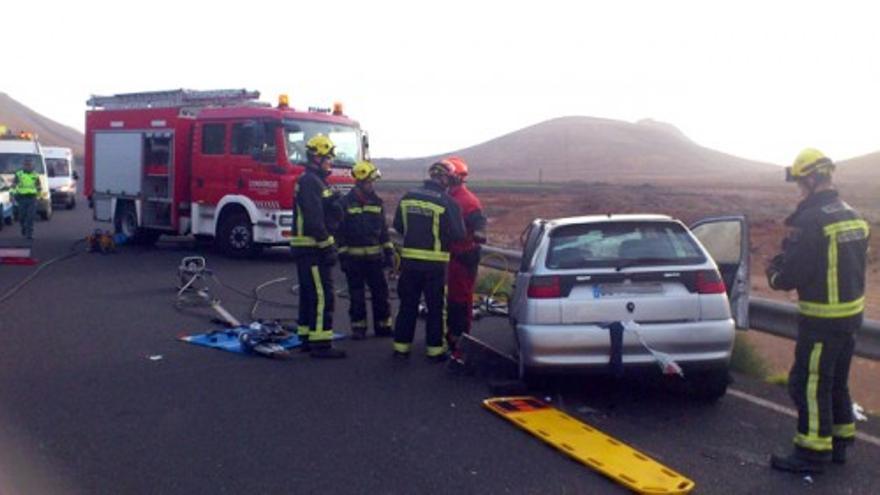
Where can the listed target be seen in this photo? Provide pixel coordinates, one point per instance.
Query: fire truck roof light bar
(174, 98)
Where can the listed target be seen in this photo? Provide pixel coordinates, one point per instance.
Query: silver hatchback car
(675, 292)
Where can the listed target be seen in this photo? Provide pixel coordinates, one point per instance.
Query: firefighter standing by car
(465, 255)
(429, 221)
(25, 188)
(823, 258)
(365, 250)
(316, 215)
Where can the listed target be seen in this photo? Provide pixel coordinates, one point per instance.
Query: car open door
(529, 240)
(727, 240)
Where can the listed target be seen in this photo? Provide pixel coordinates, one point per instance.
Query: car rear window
(622, 244)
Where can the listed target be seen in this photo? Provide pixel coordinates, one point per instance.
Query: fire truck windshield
(347, 140)
(11, 163)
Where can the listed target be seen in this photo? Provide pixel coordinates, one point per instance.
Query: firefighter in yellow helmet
(316, 215)
(365, 250)
(823, 257)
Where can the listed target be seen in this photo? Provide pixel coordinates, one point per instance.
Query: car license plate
(630, 289)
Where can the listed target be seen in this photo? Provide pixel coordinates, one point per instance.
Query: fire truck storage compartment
(118, 158)
(158, 175)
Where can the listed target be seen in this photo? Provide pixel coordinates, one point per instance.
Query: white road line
(791, 412)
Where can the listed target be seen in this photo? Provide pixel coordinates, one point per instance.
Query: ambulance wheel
(72, 203)
(235, 236)
(47, 213)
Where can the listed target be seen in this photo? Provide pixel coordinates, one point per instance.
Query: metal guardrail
(765, 315)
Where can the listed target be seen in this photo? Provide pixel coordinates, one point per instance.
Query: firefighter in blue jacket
(429, 220)
(364, 251)
(823, 258)
(316, 215)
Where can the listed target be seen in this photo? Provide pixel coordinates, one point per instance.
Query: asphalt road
(83, 408)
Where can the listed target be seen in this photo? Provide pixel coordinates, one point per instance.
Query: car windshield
(11, 163)
(347, 140)
(58, 167)
(622, 244)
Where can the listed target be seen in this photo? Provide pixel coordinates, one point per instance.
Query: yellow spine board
(590, 446)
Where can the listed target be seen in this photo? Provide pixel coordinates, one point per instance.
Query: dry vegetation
(511, 207)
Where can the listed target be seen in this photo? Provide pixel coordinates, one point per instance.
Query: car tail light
(710, 282)
(545, 287)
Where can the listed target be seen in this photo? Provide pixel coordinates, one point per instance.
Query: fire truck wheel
(126, 224)
(235, 236)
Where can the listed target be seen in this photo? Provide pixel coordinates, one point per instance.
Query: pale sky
(758, 79)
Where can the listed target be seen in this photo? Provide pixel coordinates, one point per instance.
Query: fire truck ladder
(175, 98)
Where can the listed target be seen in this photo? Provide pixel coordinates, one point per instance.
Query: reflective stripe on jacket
(364, 229)
(824, 258)
(429, 221)
(26, 183)
(316, 213)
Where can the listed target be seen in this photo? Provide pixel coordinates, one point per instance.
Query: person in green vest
(26, 187)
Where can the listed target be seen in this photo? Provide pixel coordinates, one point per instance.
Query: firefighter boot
(801, 461)
(838, 454)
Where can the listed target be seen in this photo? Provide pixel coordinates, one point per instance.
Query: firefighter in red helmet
(465, 255)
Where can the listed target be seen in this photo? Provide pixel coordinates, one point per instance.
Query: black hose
(17, 287)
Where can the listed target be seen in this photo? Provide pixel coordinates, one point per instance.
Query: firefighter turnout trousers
(462, 278)
(362, 273)
(818, 386)
(410, 287)
(316, 300)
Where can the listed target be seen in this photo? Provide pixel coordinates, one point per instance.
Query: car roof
(611, 217)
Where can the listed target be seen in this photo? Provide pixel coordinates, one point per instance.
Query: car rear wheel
(708, 385)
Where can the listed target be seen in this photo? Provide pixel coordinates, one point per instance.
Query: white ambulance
(62, 175)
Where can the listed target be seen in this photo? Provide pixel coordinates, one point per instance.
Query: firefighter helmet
(442, 168)
(321, 145)
(808, 162)
(365, 170)
(459, 167)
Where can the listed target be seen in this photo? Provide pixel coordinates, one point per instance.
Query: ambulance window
(213, 139)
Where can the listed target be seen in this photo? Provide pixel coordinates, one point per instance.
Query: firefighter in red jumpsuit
(465, 256)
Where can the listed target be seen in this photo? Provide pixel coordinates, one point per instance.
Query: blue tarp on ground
(227, 340)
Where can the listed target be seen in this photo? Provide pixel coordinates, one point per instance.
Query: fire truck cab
(215, 164)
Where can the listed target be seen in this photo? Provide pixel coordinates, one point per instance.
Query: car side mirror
(75, 175)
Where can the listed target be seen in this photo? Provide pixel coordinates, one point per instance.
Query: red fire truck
(218, 164)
